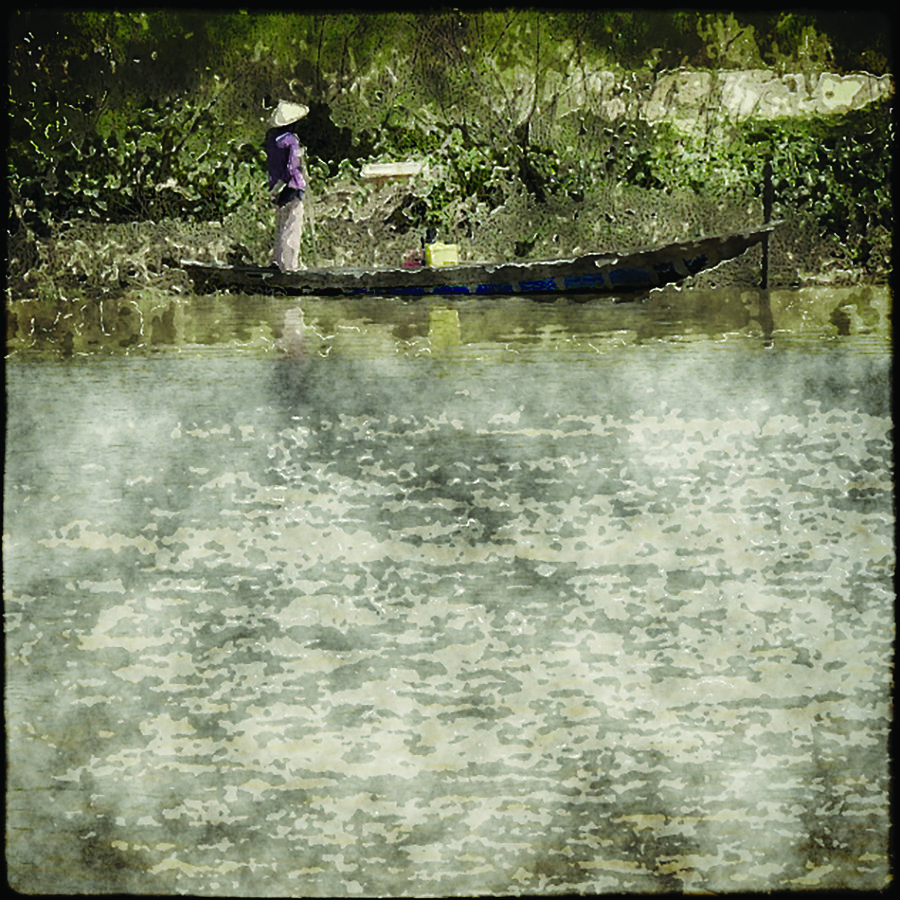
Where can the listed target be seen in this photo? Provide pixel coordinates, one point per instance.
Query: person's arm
(295, 163)
(303, 172)
(275, 190)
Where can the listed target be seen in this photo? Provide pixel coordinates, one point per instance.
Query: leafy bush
(835, 172)
(168, 161)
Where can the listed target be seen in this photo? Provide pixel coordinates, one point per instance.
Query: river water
(335, 598)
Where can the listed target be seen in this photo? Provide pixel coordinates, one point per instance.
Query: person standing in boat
(287, 181)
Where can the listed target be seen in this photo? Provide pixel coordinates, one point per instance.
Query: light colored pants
(289, 229)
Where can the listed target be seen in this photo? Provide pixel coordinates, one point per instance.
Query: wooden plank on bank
(381, 172)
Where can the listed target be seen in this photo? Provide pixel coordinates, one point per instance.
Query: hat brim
(287, 113)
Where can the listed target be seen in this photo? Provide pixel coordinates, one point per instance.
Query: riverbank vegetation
(136, 137)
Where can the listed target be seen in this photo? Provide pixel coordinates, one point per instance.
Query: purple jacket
(283, 153)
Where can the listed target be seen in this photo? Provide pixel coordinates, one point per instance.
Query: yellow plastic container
(439, 254)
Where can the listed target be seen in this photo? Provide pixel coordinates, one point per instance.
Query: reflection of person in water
(291, 341)
(287, 181)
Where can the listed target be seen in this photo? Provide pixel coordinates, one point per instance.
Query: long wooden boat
(593, 273)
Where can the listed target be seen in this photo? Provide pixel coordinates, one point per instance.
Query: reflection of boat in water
(593, 273)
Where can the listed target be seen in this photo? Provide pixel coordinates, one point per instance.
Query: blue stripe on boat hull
(543, 284)
(583, 282)
(403, 291)
(450, 289)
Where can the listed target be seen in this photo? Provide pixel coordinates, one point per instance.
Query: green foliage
(837, 173)
(168, 161)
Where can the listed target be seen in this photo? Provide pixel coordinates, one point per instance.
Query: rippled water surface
(338, 598)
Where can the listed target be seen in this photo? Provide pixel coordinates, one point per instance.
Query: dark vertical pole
(766, 319)
(768, 191)
(768, 197)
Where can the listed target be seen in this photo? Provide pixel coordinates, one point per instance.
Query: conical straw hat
(286, 113)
